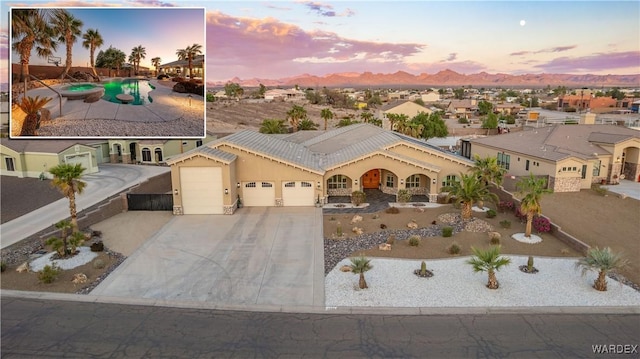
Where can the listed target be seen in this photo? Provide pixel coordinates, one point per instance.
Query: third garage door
(259, 194)
(297, 193)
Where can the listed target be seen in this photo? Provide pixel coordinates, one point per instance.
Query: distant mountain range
(440, 79)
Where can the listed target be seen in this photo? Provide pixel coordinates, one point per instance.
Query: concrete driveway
(258, 256)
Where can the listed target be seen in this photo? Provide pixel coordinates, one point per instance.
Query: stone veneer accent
(418, 191)
(631, 171)
(177, 211)
(279, 202)
(433, 197)
(229, 209)
(339, 192)
(389, 190)
(569, 184)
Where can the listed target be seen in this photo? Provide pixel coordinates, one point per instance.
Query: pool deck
(166, 106)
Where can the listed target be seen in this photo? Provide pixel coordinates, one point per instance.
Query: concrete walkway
(261, 256)
(112, 179)
(626, 187)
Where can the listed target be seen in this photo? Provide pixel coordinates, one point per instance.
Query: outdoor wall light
(401, 181)
(238, 184)
(226, 191)
(618, 159)
(318, 184)
(356, 182)
(434, 181)
(175, 191)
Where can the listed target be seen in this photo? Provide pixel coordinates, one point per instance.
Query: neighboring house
(409, 108)
(151, 151)
(573, 156)
(507, 108)
(462, 108)
(584, 102)
(430, 97)
(33, 158)
(284, 95)
(306, 167)
(181, 67)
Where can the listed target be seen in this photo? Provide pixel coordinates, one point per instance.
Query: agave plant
(31, 106)
(603, 261)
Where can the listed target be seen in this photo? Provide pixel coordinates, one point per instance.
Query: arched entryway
(371, 179)
(630, 164)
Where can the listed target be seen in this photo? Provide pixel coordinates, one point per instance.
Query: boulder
(357, 230)
(345, 268)
(356, 219)
(412, 225)
(79, 278)
(24, 267)
(97, 246)
(384, 247)
(494, 235)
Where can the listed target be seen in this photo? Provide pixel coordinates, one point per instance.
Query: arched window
(337, 181)
(158, 153)
(146, 155)
(413, 181)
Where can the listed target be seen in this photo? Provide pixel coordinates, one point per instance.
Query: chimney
(588, 119)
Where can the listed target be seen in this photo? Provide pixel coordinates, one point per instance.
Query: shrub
(495, 240)
(358, 198)
(541, 224)
(403, 196)
(504, 206)
(391, 239)
(383, 226)
(447, 231)
(392, 210)
(56, 244)
(463, 120)
(454, 248)
(521, 216)
(98, 264)
(599, 190)
(414, 240)
(491, 213)
(505, 224)
(49, 273)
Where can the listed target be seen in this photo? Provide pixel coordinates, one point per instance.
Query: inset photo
(107, 72)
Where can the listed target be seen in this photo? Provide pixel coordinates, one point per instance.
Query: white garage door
(297, 193)
(201, 190)
(84, 160)
(259, 194)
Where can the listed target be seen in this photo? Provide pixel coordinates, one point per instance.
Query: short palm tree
(156, 63)
(66, 177)
(307, 125)
(68, 28)
(488, 261)
(326, 115)
(295, 114)
(533, 188)
(92, 40)
(30, 29)
(30, 106)
(488, 170)
(360, 265)
(272, 126)
(468, 190)
(366, 116)
(603, 261)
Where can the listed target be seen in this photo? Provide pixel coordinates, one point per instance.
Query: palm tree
(92, 40)
(118, 60)
(30, 29)
(488, 261)
(189, 53)
(295, 115)
(138, 53)
(360, 265)
(366, 116)
(272, 126)
(156, 63)
(307, 125)
(30, 106)
(401, 121)
(68, 28)
(326, 115)
(66, 178)
(469, 190)
(533, 188)
(488, 170)
(64, 227)
(393, 118)
(603, 261)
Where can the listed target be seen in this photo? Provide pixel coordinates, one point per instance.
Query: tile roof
(391, 105)
(560, 141)
(44, 146)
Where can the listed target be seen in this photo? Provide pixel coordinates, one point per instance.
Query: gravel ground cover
(454, 284)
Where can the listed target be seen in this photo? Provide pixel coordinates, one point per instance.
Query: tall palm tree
(469, 190)
(68, 28)
(488, 170)
(66, 178)
(156, 63)
(118, 58)
(533, 189)
(272, 126)
(366, 116)
(138, 53)
(393, 118)
(30, 28)
(360, 265)
(603, 261)
(92, 40)
(326, 115)
(189, 53)
(488, 261)
(30, 106)
(295, 115)
(402, 121)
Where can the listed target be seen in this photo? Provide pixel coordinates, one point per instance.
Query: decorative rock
(79, 278)
(384, 247)
(97, 246)
(24, 267)
(94, 97)
(356, 219)
(357, 230)
(494, 235)
(45, 115)
(412, 225)
(345, 268)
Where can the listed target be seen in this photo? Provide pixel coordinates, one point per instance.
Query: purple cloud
(325, 9)
(547, 50)
(595, 62)
(452, 56)
(520, 53)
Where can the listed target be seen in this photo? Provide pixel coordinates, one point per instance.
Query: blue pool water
(139, 89)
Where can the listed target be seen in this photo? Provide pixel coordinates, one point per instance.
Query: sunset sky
(277, 39)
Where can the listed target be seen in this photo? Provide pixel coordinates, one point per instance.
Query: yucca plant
(30, 106)
(360, 265)
(488, 261)
(603, 261)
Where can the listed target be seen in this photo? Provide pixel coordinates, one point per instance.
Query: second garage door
(297, 193)
(259, 194)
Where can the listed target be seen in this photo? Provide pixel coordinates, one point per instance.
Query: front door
(371, 179)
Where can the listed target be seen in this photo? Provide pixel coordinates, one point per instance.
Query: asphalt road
(34, 328)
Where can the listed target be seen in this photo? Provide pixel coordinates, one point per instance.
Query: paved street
(35, 328)
(111, 180)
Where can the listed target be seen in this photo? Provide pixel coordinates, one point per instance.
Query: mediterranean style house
(402, 107)
(307, 167)
(33, 158)
(572, 156)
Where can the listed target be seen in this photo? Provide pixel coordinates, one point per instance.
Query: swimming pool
(139, 89)
(79, 91)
